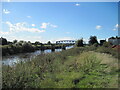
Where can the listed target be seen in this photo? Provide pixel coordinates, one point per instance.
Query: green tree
(79, 43)
(37, 43)
(49, 43)
(3, 41)
(93, 40)
(29, 42)
(14, 41)
(27, 47)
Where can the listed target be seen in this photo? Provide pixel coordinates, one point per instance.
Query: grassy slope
(68, 69)
(88, 70)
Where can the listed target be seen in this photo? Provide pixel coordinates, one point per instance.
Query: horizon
(52, 21)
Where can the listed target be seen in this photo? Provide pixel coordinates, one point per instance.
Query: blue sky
(44, 21)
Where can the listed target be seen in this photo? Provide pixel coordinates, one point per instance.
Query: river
(13, 59)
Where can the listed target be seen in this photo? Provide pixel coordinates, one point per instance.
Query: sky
(51, 21)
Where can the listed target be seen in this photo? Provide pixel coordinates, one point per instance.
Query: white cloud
(98, 27)
(8, 0)
(5, 11)
(18, 27)
(77, 4)
(33, 25)
(29, 16)
(54, 26)
(44, 25)
(116, 25)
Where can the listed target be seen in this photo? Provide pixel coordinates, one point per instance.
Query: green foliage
(79, 43)
(73, 68)
(95, 45)
(3, 41)
(93, 40)
(14, 41)
(108, 50)
(49, 43)
(107, 44)
(27, 47)
(37, 43)
(102, 41)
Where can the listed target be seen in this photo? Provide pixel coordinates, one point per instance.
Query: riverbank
(81, 67)
(25, 48)
(17, 58)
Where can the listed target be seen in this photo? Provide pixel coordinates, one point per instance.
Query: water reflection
(13, 59)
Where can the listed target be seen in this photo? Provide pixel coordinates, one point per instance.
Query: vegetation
(9, 48)
(80, 67)
(93, 40)
(79, 43)
(49, 43)
(84, 66)
(3, 41)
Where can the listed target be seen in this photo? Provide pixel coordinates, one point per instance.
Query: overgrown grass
(73, 68)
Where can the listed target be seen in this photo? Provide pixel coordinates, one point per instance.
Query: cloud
(33, 25)
(54, 26)
(77, 4)
(44, 25)
(21, 26)
(29, 16)
(8, 0)
(5, 11)
(98, 27)
(116, 26)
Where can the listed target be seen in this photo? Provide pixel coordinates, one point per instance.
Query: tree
(27, 47)
(49, 43)
(102, 41)
(37, 43)
(29, 42)
(93, 40)
(79, 43)
(14, 41)
(3, 41)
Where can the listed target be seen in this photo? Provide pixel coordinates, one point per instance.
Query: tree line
(93, 41)
(14, 47)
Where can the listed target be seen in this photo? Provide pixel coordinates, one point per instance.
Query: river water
(13, 59)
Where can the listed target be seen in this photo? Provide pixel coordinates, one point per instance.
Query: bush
(79, 43)
(107, 44)
(93, 40)
(27, 47)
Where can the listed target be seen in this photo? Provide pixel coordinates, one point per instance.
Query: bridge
(65, 42)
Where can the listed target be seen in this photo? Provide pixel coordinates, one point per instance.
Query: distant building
(65, 42)
(114, 40)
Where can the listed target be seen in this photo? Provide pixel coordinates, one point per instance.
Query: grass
(73, 68)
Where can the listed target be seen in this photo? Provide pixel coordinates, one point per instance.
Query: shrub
(79, 43)
(26, 47)
(93, 40)
(107, 44)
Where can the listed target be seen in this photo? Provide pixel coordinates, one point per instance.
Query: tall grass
(73, 68)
